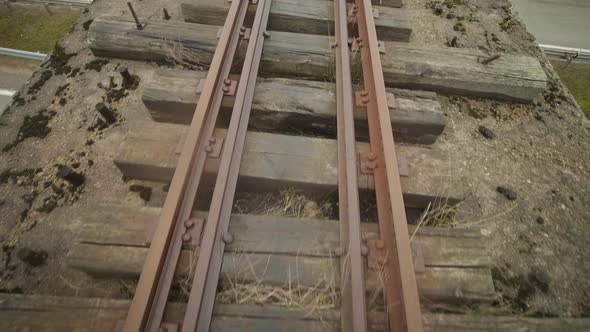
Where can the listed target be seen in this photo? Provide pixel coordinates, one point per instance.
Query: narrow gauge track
(176, 227)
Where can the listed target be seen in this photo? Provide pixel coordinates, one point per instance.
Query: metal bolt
(364, 250)
(490, 59)
(208, 149)
(379, 244)
(266, 34)
(365, 100)
(371, 156)
(189, 223)
(166, 15)
(186, 237)
(227, 238)
(138, 25)
(212, 140)
(225, 89)
(106, 113)
(243, 28)
(127, 78)
(364, 93)
(227, 81)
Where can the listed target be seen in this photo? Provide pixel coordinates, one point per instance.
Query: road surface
(14, 72)
(557, 22)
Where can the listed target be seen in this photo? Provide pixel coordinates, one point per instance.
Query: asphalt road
(557, 22)
(14, 72)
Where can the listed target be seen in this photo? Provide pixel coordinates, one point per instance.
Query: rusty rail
(353, 307)
(403, 305)
(175, 225)
(215, 236)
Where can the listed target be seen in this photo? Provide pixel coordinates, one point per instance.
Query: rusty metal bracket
(245, 33)
(200, 85)
(214, 147)
(377, 256)
(230, 87)
(375, 13)
(352, 12)
(191, 235)
(367, 162)
(391, 100)
(356, 45)
(180, 143)
(418, 256)
(403, 167)
(381, 46)
(361, 98)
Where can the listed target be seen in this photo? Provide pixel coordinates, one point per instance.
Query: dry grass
(441, 214)
(184, 284)
(182, 56)
(246, 287)
(287, 203)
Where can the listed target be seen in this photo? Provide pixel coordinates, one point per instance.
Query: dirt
(538, 236)
(538, 241)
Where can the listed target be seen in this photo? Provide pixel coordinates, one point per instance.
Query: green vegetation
(34, 29)
(576, 76)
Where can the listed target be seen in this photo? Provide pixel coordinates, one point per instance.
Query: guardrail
(565, 53)
(73, 3)
(23, 54)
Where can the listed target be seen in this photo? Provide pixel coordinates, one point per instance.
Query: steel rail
(156, 276)
(352, 287)
(403, 304)
(215, 235)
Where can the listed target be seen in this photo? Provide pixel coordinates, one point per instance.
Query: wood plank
(50, 313)
(271, 162)
(448, 70)
(286, 105)
(302, 16)
(446, 284)
(125, 226)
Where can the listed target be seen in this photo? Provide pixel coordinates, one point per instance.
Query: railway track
(278, 101)
(176, 226)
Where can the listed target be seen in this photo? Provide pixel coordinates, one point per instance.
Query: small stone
(74, 178)
(478, 113)
(145, 192)
(32, 257)
(540, 279)
(486, 132)
(508, 193)
(540, 220)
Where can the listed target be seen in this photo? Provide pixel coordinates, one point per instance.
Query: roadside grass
(33, 29)
(576, 76)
